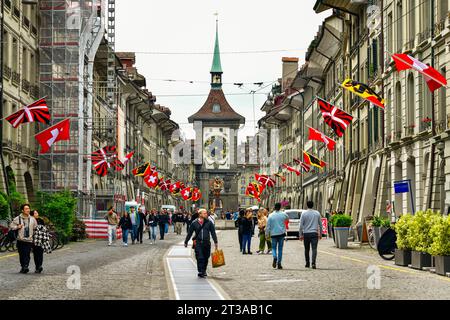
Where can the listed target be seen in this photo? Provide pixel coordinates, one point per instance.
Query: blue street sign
(402, 186)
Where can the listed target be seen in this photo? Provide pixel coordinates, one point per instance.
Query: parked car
(294, 222)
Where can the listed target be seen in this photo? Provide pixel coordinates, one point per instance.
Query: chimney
(290, 68)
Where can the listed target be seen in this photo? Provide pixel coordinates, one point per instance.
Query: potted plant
(420, 238)
(342, 224)
(440, 246)
(403, 251)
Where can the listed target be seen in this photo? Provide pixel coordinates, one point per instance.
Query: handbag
(218, 259)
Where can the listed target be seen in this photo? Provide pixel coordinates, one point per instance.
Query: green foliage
(401, 228)
(16, 199)
(419, 235)
(381, 222)
(4, 206)
(60, 209)
(440, 235)
(341, 221)
(78, 230)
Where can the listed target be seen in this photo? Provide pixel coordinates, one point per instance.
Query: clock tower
(219, 124)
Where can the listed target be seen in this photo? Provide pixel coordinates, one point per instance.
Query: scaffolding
(70, 34)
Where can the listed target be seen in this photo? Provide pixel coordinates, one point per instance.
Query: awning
(349, 6)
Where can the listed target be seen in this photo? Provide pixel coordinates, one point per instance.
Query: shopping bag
(218, 259)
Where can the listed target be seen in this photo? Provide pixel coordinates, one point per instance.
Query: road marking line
(9, 256)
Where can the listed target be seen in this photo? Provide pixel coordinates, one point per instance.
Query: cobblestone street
(138, 272)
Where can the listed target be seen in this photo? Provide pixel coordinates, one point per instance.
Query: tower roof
(226, 113)
(216, 65)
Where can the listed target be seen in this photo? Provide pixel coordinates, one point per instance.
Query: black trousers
(24, 249)
(162, 231)
(240, 239)
(38, 255)
(202, 253)
(140, 234)
(311, 240)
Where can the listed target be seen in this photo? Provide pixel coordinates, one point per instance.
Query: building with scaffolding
(70, 35)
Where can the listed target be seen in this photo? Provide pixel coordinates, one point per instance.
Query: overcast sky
(188, 26)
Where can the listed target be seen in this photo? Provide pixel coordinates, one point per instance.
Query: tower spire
(216, 69)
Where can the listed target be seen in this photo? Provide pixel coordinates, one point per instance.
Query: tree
(60, 209)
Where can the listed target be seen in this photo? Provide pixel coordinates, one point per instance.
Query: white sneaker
(125, 244)
(109, 244)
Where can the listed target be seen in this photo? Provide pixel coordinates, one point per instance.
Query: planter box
(341, 237)
(402, 257)
(420, 260)
(442, 265)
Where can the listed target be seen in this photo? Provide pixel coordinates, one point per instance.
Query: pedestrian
(141, 224)
(163, 221)
(41, 242)
(310, 232)
(188, 221)
(262, 222)
(126, 225)
(212, 217)
(113, 221)
(26, 225)
(240, 226)
(178, 220)
(134, 216)
(276, 230)
(204, 229)
(247, 231)
(152, 225)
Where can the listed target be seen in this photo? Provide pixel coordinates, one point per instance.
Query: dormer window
(216, 108)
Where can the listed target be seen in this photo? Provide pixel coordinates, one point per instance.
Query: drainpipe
(433, 117)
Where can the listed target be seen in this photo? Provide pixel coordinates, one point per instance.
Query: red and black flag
(143, 170)
(35, 112)
(265, 181)
(103, 159)
(313, 161)
(336, 118)
(164, 185)
(196, 194)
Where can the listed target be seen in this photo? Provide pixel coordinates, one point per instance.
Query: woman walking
(262, 223)
(41, 242)
(247, 226)
(126, 225)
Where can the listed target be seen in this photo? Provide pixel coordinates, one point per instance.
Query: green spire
(216, 66)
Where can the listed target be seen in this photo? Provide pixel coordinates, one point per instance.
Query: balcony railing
(397, 136)
(25, 85)
(16, 12)
(7, 72)
(7, 144)
(409, 131)
(8, 4)
(410, 44)
(34, 91)
(425, 126)
(15, 78)
(26, 22)
(439, 26)
(440, 126)
(424, 35)
(34, 31)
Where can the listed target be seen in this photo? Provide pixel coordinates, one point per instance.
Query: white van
(168, 207)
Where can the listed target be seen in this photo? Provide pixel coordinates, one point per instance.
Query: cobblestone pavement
(133, 272)
(341, 274)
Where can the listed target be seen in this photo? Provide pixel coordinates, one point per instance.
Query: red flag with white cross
(152, 180)
(316, 135)
(58, 132)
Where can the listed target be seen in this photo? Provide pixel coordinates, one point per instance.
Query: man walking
(276, 230)
(203, 228)
(140, 231)
(26, 225)
(310, 232)
(179, 220)
(134, 216)
(113, 221)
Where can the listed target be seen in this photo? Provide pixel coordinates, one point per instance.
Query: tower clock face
(216, 147)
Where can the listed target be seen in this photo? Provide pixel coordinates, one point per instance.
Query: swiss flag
(58, 132)
(164, 185)
(319, 136)
(186, 193)
(434, 79)
(291, 169)
(152, 180)
(196, 194)
(175, 187)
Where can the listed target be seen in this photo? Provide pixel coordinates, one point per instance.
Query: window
(398, 108)
(411, 114)
(6, 48)
(15, 54)
(412, 20)
(390, 33)
(216, 108)
(399, 40)
(443, 10)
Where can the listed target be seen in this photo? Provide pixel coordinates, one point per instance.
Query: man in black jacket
(202, 243)
(179, 220)
(140, 233)
(163, 219)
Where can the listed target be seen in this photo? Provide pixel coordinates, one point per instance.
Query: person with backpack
(24, 226)
(126, 225)
(204, 229)
(163, 221)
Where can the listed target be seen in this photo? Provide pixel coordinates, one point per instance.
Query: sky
(152, 27)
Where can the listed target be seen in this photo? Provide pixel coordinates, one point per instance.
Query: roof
(216, 96)
(348, 6)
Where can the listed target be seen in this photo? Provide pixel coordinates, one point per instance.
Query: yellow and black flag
(364, 91)
(142, 170)
(313, 161)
